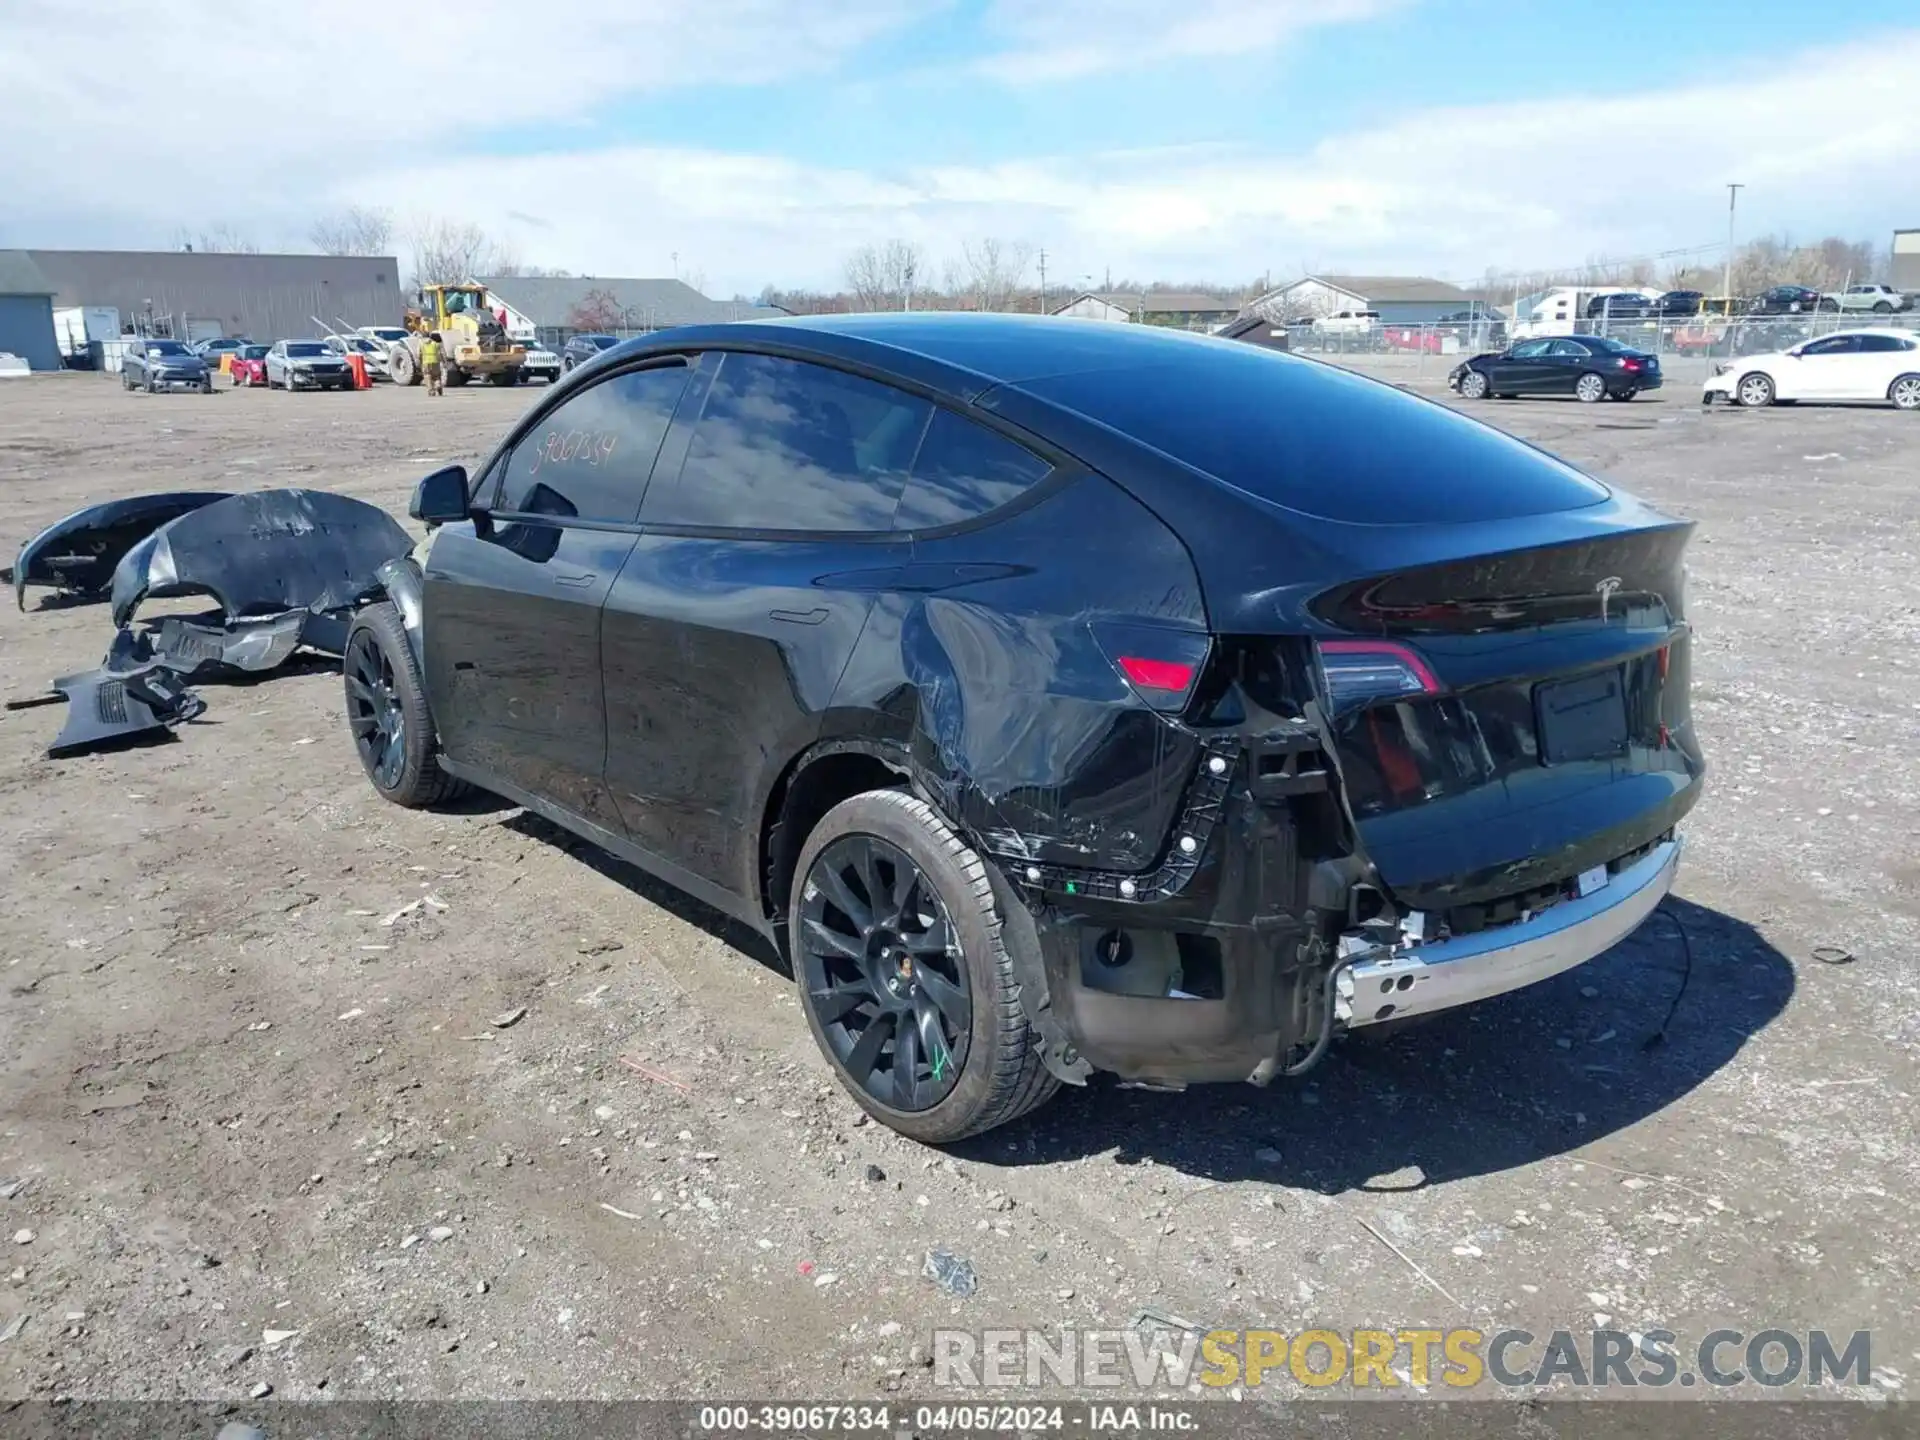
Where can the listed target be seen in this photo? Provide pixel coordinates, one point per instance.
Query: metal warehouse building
(265, 297)
(26, 311)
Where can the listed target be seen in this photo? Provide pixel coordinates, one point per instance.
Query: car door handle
(801, 617)
(576, 581)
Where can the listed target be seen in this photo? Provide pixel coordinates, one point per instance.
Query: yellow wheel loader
(472, 340)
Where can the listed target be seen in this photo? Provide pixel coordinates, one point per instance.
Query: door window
(964, 470)
(787, 445)
(590, 456)
(1530, 349)
(1832, 345)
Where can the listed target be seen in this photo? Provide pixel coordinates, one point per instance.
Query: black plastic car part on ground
(77, 554)
(1060, 697)
(1586, 367)
(264, 552)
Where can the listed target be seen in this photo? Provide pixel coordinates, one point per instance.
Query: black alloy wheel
(387, 712)
(374, 713)
(884, 973)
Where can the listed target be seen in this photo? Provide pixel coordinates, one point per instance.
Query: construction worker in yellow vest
(430, 366)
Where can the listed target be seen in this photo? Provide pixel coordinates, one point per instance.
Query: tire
(1473, 386)
(455, 376)
(998, 1074)
(1590, 388)
(1905, 392)
(387, 712)
(1882, 307)
(1625, 395)
(1754, 391)
(400, 366)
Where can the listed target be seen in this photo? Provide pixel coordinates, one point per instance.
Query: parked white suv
(1881, 299)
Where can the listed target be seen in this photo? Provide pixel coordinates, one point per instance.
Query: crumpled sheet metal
(107, 706)
(263, 552)
(77, 554)
(190, 645)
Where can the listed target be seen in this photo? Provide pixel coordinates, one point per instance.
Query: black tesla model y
(1060, 698)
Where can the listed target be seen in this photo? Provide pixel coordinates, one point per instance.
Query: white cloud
(1063, 39)
(195, 112)
(313, 113)
(1831, 143)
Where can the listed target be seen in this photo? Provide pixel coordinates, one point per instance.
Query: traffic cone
(357, 363)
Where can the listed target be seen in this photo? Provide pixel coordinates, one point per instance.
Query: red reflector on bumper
(1156, 674)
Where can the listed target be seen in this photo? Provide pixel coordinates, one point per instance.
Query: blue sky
(760, 141)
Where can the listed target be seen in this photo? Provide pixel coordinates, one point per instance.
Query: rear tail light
(1365, 672)
(1626, 364)
(1160, 666)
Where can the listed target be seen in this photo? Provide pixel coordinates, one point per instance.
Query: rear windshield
(1321, 441)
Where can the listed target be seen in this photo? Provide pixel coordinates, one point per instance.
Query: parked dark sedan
(582, 348)
(1790, 300)
(1678, 303)
(153, 365)
(211, 350)
(1587, 367)
(1060, 698)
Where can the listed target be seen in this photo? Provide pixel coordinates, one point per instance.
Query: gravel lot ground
(234, 1101)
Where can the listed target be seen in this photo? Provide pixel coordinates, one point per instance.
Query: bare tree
(219, 239)
(993, 270)
(447, 252)
(596, 311)
(357, 230)
(883, 277)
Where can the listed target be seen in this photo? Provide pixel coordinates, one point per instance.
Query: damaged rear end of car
(1436, 743)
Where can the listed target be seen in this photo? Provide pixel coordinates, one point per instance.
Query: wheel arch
(400, 581)
(811, 784)
(1897, 380)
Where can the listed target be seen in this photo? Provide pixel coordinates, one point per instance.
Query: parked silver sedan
(307, 365)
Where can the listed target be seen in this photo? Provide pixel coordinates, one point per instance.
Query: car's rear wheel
(387, 712)
(905, 973)
(1589, 389)
(1905, 392)
(1473, 386)
(1755, 391)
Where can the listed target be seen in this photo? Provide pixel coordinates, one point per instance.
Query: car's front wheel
(1905, 392)
(1755, 391)
(1473, 386)
(1589, 389)
(387, 712)
(1883, 307)
(905, 971)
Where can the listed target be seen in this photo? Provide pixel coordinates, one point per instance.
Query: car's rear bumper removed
(1421, 979)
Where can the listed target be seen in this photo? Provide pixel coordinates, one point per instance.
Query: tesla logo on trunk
(1605, 589)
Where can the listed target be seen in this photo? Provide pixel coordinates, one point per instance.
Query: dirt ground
(235, 1100)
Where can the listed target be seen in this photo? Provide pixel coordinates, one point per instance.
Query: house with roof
(1397, 299)
(1180, 309)
(555, 308)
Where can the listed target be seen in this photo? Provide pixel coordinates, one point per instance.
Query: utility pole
(1733, 195)
(906, 295)
(1043, 279)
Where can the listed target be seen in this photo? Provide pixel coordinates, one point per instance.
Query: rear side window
(787, 445)
(1321, 441)
(1884, 344)
(590, 457)
(963, 471)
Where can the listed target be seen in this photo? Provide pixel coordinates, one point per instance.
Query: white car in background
(540, 364)
(1879, 365)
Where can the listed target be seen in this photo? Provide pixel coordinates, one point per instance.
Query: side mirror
(441, 498)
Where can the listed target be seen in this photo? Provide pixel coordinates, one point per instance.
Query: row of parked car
(153, 363)
(1863, 365)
